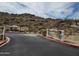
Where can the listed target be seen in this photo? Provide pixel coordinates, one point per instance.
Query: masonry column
(47, 32)
(62, 35)
(3, 32)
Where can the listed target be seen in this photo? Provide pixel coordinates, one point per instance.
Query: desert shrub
(1, 37)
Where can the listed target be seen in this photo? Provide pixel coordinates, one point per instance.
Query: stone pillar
(47, 32)
(62, 35)
(3, 32)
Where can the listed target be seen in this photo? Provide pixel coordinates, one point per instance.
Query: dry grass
(73, 38)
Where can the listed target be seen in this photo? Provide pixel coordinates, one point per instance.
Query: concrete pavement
(21, 45)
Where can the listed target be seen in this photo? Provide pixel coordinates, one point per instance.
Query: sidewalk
(2, 41)
(67, 43)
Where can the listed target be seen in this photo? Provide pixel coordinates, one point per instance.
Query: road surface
(21, 45)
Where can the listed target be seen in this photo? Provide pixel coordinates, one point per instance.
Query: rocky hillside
(35, 23)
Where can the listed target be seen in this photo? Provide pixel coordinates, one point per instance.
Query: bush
(1, 37)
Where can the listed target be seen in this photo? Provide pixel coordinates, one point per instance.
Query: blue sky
(44, 9)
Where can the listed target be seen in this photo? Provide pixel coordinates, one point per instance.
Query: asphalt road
(21, 45)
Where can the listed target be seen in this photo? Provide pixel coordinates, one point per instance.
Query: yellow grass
(73, 38)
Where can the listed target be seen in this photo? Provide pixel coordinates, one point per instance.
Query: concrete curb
(5, 42)
(61, 42)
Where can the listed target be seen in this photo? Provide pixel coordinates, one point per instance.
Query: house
(12, 28)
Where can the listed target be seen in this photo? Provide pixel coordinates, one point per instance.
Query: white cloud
(43, 9)
(75, 16)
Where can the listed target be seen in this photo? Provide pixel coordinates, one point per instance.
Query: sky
(55, 10)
